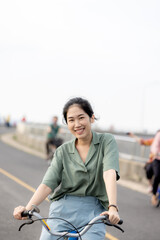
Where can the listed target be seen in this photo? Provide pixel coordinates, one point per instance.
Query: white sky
(105, 51)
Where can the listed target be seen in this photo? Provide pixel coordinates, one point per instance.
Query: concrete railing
(131, 150)
(132, 155)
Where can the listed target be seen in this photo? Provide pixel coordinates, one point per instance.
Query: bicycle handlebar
(35, 212)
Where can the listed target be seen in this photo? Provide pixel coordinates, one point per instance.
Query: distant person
(52, 141)
(23, 119)
(152, 167)
(7, 121)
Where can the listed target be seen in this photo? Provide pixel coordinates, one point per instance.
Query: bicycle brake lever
(26, 223)
(35, 209)
(116, 226)
(107, 222)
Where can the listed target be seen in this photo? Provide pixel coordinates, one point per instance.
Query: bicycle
(73, 234)
(52, 147)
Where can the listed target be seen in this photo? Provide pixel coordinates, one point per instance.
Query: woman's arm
(111, 189)
(111, 185)
(40, 194)
(138, 139)
(142, 141)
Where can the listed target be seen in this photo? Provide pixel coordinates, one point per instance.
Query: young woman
(81, 180)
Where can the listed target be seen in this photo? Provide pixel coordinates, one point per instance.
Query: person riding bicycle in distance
(81, 179)
(52, 132)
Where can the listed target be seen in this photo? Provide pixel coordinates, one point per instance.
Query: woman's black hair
(83, 104)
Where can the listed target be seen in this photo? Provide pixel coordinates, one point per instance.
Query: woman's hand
(40, 194)
(17, 212)
(113, 216)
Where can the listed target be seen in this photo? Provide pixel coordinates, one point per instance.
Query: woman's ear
(92, 118)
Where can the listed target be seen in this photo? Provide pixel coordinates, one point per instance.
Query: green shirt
(68, 175)
(54, 131)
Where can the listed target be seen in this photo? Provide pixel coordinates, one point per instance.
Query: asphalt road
(141, 221)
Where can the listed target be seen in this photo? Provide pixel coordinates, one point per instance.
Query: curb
(8, 139)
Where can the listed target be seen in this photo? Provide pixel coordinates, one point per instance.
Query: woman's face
(79, 123)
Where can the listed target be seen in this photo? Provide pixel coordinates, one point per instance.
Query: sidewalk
(9, 139)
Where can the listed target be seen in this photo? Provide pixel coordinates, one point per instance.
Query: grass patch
(14, 137)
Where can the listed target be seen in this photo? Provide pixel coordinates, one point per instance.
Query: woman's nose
(77, 123)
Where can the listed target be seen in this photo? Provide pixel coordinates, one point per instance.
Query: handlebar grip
(25, 214)
(107, 220)
(120, 222)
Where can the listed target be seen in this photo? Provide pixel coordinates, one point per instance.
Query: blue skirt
(78, 211)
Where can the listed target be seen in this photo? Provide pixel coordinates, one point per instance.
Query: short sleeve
(111, 155)
(156, 144)
(53, 176)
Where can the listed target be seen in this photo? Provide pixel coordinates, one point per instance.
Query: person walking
(81, 180)
(152, 167)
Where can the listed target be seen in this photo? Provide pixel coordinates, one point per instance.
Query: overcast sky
(105, 51)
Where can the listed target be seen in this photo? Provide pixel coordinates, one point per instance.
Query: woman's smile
(80, 131)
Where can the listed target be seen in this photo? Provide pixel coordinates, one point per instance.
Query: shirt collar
(95, 140)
